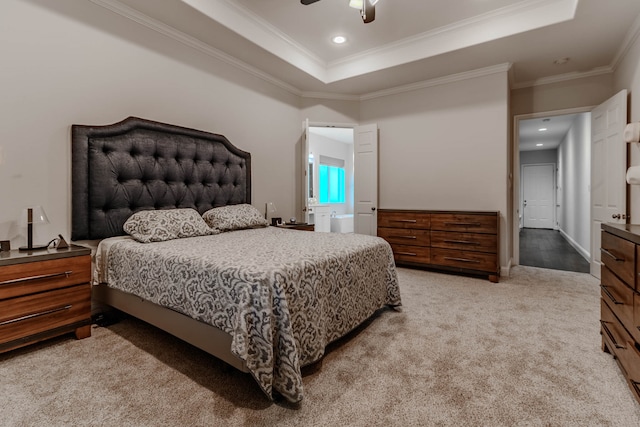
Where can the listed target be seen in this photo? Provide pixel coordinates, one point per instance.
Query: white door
(365, 182)
(537, 195)
(305, 172)
(608, 169)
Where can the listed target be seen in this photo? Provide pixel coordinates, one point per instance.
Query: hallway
(548, 249)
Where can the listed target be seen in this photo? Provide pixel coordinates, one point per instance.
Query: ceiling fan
(367, 8)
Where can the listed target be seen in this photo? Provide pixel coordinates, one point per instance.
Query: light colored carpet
(463, 352)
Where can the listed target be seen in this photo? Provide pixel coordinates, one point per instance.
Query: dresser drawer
(465, 241)
(464, 223)
(44, 275)
(412, 254)
(618, 296)
(35, 313)
(623, 347)
(405, 236)
(464, 259)
(619, 255)
(396, 219)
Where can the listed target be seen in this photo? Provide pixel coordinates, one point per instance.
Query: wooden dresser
(44, 294)
(457, 241)
(620, 299)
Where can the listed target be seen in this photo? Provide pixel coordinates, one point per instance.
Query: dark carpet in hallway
(548, 249)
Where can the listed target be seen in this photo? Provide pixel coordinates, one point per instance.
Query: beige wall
(584, 92)
(444, 147)
(67, 62)
(627, 76)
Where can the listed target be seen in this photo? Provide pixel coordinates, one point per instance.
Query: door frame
(307, 123)
(515, 208)
(554, 220)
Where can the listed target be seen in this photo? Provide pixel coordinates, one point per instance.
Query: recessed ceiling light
(542, 129)
(539, 145)
(339, 39)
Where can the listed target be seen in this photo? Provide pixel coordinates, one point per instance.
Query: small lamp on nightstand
(33, 215)
(271, 210)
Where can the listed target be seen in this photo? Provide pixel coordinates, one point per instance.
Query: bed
(264, 299)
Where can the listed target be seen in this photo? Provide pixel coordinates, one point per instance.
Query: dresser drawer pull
(406, 253)
(462, 242)
(635, 387)
(31, 316)
(607, 293)
(464, 224)
(403, 237)
(610, 335)
(615, 258)
(44, 276)
(461, 259)
(411, 221)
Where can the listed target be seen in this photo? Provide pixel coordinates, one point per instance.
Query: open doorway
(330, 178)
(553, 192)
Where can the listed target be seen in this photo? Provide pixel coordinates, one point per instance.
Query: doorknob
(373, 208)
(615, 216)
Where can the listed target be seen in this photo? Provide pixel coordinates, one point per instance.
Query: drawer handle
(31, 316)
(462, 242)
(615, 258)
(607, 293)
(403, 237)
(610, 335)
(635, 387)
(464, 224)
(43, 276)
(461, 259)
(411, 221)
(406, 253)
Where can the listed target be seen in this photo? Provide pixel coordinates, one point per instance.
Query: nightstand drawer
(34, 277)
(36, 313)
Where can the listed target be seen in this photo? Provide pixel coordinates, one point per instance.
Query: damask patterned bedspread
(282, 295)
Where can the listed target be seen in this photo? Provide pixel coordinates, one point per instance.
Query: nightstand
(44, 294)
(301, 226)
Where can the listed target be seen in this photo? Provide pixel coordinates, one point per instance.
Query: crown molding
(252, 27)
(564, 77)
(330, 95)
(452, 78)
(521, 17)
(629, 39)
(168, 31)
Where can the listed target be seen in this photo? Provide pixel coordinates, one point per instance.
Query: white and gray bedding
(282, 295)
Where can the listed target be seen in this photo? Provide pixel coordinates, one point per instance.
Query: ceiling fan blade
(306, 2)
(368, 12)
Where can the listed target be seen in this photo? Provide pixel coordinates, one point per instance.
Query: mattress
(282, 295)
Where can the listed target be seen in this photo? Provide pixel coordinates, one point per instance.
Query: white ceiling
(556, 128)
(410, 41)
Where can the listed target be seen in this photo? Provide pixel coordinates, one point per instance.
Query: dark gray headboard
(140, 164)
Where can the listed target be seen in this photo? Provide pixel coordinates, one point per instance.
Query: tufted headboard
(140, 164)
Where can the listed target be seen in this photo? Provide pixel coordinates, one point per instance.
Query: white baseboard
(506, 269)
(582, 251)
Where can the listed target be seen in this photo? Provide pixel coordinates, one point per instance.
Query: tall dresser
(455, 241)
(620, 299)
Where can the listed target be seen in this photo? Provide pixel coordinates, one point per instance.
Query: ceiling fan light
(356, 4)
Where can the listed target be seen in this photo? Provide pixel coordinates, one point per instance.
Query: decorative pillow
(166, 224)
(234, 217)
